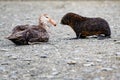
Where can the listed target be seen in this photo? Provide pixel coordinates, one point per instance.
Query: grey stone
(71, 62)
(106, 69)
(89, 64)
(96, 78)
(117, 53)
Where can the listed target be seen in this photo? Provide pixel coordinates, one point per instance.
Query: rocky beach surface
(60, 58)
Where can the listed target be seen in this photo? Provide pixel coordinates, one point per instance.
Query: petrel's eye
(46, 17)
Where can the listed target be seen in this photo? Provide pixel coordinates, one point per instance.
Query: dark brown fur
(84, 26)
(23, 34)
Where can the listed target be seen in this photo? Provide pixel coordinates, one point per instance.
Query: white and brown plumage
(25, 34)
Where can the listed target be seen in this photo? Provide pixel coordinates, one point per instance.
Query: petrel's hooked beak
(45, 18)
(52, 22)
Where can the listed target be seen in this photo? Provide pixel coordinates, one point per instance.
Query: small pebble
(76, 51)
(13, 75)
(117, 54)
(43, 56)
(55, 73)
(13, 57)
(78, 79)
(117, 42)
(4, 64)
(106, 69)
(27, 60)
(114, 66)
(6, 50)
(88, 60)
(89, 64)
(68, 34)
(71, 62)
(86, 70)
(2, 69)
(96, 78)
(99, 60)
(45, 47)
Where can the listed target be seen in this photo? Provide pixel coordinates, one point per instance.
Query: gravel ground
(60, 58)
